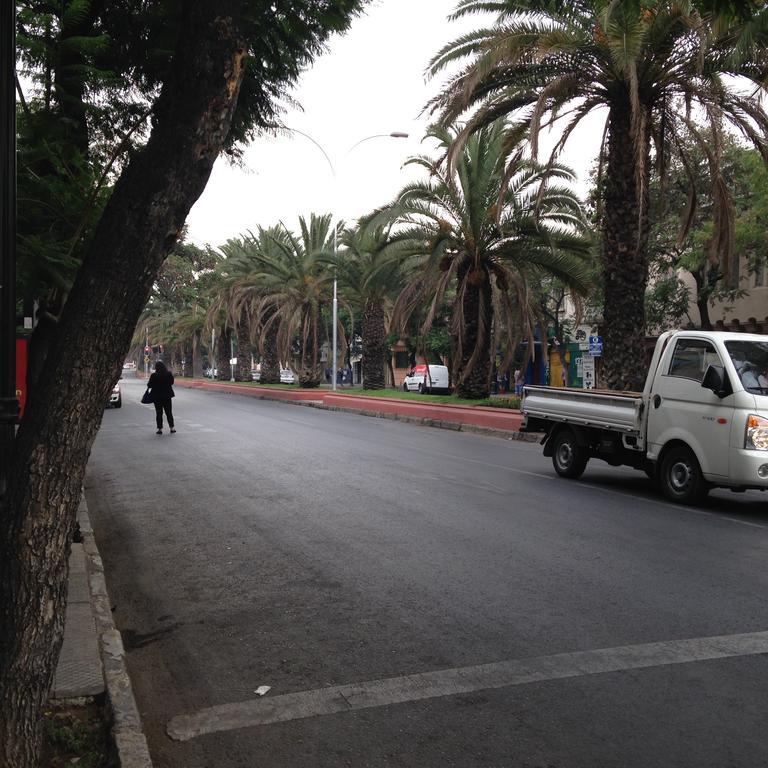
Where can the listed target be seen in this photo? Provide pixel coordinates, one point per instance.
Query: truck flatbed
(605, 409)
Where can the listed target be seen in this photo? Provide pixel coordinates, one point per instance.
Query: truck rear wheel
(568, 457)
(680, 477)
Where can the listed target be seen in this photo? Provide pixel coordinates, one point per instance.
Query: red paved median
(477, 416)
(436, 413)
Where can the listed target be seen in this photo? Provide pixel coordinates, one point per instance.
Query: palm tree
(651, 66)
(289, 287)
(370, 282)
(239, 260)
(486, 226)
(259, 250)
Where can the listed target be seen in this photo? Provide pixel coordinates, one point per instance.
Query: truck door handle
(656, 401)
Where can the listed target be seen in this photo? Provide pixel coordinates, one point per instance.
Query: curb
(129, 740)
(425, 421)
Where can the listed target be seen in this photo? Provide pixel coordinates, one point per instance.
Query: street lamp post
(9, 404)
(391, 135)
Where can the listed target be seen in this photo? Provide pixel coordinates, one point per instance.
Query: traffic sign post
(588, 377)
(595, 346)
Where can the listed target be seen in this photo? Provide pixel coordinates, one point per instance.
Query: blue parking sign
(595, 347)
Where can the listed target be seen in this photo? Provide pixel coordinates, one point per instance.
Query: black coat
(161, 383)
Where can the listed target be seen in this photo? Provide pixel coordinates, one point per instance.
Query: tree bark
(473, 372)
(374, 344)
(624, 253)
(140, 224)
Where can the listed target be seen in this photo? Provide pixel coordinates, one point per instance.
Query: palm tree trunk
(310, 374)
(374, 344)
(197, 358)
(270, 359)
(624, 254)
(473, 374)
(223, 353)
(243, 369)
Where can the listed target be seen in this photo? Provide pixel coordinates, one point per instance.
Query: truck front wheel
(568, 457)
(680, 477)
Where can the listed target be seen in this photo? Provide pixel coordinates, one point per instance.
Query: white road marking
(675, 507)
(488, 488)
(449, 682)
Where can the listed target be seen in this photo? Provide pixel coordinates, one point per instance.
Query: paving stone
(79, 669)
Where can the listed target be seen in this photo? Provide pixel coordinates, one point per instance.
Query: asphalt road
(420, 597)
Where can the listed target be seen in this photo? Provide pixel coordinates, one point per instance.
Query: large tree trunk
(139, 226)
(473, 361)
(374, 345)
(624, 254)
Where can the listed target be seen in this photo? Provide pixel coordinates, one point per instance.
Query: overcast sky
(371, 81)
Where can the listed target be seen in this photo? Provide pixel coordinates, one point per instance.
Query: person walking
(161, 384)
(518, 381)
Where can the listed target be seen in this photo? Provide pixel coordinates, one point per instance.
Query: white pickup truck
(701, 420)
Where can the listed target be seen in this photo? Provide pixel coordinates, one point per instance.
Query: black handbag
(147, 398)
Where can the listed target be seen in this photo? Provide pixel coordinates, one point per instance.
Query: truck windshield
(750, 358)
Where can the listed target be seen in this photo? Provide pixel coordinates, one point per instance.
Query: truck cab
(707, 402)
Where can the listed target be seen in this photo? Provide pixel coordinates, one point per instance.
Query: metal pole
(393, 135)
(231, 358)
(9, 404)
(335, 316)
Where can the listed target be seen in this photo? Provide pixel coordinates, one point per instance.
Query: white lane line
(449, 682)
(586, 484)
(675, 507)
(487, 488)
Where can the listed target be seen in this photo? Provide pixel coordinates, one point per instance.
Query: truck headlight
(756, 437)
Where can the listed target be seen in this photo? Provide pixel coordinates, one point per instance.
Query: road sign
(588, 377)
(595, 345)
(147, 350)
(146, 358)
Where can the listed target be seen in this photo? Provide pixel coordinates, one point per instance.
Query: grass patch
(399, 394)
(244, 383)
(76, 735)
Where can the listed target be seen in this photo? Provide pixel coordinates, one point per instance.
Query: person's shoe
(159, 432)
(173, 431)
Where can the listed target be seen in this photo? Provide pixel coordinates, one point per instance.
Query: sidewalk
(92, 658)
(79, 670)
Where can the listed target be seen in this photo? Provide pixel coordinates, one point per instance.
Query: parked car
(115, 397)
(432, 381)
(287, 376)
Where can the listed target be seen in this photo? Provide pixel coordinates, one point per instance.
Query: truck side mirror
(716, 380)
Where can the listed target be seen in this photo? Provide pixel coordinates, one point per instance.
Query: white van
(432, 381)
